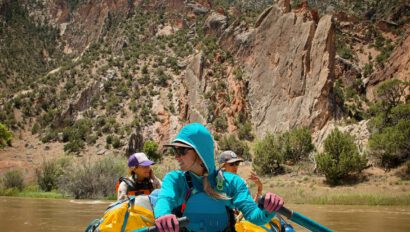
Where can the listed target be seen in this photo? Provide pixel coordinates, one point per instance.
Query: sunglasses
(180, 151)
(234, 164)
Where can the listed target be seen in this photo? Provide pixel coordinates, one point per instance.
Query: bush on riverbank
(340, 159)
(272, 151)
(13, 180)
(50, 171)
(66, 176)
(92, 179)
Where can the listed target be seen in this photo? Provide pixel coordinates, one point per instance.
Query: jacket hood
(199, 138)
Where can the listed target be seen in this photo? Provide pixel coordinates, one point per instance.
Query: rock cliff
(398, 66)
(290, 61)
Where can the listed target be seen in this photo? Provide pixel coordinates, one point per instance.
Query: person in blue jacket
(197, 190)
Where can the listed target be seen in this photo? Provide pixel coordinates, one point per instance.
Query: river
(38, 215)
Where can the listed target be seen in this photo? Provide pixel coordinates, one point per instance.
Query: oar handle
(283, 211)
(182, 221)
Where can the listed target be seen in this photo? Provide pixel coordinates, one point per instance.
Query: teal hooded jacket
(174, 186)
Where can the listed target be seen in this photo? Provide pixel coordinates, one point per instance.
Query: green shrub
(345, 53)
(221, 124)
(109, 139)
(390, 145)
(35, 129)
(245, 131)
(48, 174)
(368, 69)
(267, 156)
(151, 150)
(5, 136)
(116, 142)
(80, 130)
(239, 147)
(340, 158)
(13, 179)
(49, 135)
(296, 144)
(74, 146)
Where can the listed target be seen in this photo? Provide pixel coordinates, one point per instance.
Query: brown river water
(35, 215)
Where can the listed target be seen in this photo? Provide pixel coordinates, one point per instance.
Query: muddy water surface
(38, 215)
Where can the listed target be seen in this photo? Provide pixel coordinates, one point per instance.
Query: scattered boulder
(102, 152)
(215, 23)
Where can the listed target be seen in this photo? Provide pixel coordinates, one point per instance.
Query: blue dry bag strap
(127, 214)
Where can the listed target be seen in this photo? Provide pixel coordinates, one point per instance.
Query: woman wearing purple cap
(141, 179)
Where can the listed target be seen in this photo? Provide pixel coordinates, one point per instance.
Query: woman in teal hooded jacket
(194, 151)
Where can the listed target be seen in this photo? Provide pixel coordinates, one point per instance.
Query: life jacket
(125, 216)
(277, 224)
(135, 188)
(204, 212)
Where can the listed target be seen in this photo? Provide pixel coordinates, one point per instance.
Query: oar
(183, 221)
(303, 220)
(298, 218)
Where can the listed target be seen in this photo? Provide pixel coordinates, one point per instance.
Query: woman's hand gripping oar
(182, 222)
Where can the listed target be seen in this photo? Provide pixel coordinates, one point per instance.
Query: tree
(5, 136)
(268, 157)
(390, 124)
(296, 144)
(340, 158)
(235, 145)
(48, 174)
(151, 150)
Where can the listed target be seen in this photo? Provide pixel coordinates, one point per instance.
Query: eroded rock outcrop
(398, 66)
(194, 106)
(291, 71)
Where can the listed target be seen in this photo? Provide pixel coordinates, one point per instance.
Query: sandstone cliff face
(291, 71)
(87, 21)
(398, 67)
(83, 24)
(194, 107)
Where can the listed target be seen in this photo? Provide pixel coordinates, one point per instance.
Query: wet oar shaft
(302, 220)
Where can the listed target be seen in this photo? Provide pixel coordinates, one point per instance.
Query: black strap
(179, 211)
(137, 186)
(188, 179)
(130, 184)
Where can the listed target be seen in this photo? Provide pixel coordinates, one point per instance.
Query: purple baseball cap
(139, 159)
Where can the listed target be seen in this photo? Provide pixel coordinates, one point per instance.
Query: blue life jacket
(206, 214)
